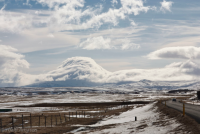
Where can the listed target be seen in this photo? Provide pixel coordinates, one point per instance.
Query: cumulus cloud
(96, 43)
(10, 59)
(127, 45)
(113, 15)
(11, 64)
(27, 3)
(133, 23)
(68, 14)
(100, 42)
(53, 3)
(14, 22)
(187, 52)
(166, 5)
(114, 2)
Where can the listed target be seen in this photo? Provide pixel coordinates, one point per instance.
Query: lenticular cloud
(84, 71)
(188, 52)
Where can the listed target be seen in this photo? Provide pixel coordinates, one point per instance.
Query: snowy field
(9, 101)
(149, 121)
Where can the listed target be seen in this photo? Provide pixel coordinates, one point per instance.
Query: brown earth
(63, 124)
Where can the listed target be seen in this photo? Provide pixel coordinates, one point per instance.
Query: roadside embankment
(189, 125)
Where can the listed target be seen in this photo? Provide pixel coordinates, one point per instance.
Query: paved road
(190, 110)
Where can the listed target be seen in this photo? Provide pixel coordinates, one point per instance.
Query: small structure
(5, 110)
(198, 95)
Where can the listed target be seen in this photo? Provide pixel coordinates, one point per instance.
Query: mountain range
(85, 72)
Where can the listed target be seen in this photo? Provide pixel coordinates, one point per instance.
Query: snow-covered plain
(149, 121)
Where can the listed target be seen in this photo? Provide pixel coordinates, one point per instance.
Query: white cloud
(100, 42)
(14, 22)
(133, 23)
(96, 43)
(166, 5)
(79, 68)
(11, 59)
(114, 2)
(113, 15)
(53, 3)
(11, 64)
(68, 14)
(38, 12)
(84, 68)
(188, 67)
(188, 52)
(50, 35)
(27, 3)
(127, 45)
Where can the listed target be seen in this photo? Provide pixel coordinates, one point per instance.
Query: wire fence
(25, 121)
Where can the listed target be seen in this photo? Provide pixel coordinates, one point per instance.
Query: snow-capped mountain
(154, 85)
(75, 71)
(79, 68)
(84, 71)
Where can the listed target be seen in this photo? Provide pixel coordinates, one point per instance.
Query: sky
(36, 36)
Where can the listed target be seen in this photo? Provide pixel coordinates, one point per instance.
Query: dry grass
(64, 123)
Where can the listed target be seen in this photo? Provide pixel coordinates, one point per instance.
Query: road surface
(191, 110)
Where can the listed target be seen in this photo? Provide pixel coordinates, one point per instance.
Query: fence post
(30, 121)
(45, 120)
(60, 118)
(76, 114)
(135, 118)
(1, 125)
(39, 120)
(56, 119)
(84, 114)
(22, 121)
(69, 116)
(165, 103)
(12, 123)
(51, 120)
(65, 117)
(183, 109)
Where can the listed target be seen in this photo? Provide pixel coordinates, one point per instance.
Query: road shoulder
(188, 125)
